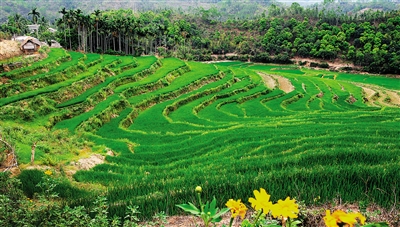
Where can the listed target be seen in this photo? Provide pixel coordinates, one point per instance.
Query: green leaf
(246, 223)
(207, 207)
(213, 207)
(191, 208)
(380, 224)
(222, 212)
(216, 219)
(295, 223)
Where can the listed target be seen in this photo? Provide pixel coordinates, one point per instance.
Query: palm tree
(19, 23)
(35, 14)
(63, 20)
(97, 14)
(77, 15)
(70, 20)
(85, 28)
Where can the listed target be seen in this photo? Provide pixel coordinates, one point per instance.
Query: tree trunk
(33, 153)
(119, 42)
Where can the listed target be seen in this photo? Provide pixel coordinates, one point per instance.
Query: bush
(302, 63)
(29, 180)
(282, 59)
(323, 65)
(10, 187)
(346, 68)
(262, 57)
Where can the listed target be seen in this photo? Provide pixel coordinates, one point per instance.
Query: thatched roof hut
(30, 45)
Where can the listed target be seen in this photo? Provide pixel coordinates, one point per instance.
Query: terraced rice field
(229, 127)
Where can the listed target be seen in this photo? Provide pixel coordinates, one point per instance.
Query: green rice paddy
(174, 125)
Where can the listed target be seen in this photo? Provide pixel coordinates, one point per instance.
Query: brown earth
(271, 81)
(383, 93)
(191, 221)
(9, 49)
(284, 84)
(394, 97)
(333, 64)
(369, 93)
(268, 80)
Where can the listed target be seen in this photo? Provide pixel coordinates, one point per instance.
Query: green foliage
(174, 124)
(208, 212)
(18, 210)
(29, 180)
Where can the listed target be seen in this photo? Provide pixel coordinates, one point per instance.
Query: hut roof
(29, 43)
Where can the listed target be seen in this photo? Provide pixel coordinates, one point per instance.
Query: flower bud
(198, 189)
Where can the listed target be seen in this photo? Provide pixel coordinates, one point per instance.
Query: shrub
(324, 65)
(29, 180)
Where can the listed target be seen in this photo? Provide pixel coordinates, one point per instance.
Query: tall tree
(63, 21)
(35, 15)
(97, 14)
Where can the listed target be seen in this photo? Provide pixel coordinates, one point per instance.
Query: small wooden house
(30, 45)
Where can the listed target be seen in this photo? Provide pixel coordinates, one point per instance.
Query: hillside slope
(175, 124)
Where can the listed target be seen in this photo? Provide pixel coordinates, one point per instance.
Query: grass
(76, 56)
(185, 124)
(54, 55)
(144, 63)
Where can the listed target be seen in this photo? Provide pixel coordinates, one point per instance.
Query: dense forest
(369, 39)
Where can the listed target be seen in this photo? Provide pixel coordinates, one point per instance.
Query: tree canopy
(368, 39)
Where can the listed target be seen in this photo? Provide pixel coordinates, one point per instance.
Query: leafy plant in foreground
(282, 213)
(208, 212)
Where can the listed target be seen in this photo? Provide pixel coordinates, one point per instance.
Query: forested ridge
(369, 39)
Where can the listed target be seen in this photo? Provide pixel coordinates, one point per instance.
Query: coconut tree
(35, 15)
(19, 23)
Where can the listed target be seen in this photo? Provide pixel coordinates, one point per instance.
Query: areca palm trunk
(119, 41)
(97, 35)
(70, 42)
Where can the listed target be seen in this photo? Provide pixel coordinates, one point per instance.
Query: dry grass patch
(268, 80)
(9, 49)
(284, 84)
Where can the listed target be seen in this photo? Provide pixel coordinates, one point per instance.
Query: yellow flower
(317, 198)
(330, 221)
(198, 189)
(261, 201)
(48, 172)
(285, 209)
(237, 208)
(340, 216)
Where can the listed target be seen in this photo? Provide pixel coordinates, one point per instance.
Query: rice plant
(175, 124)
